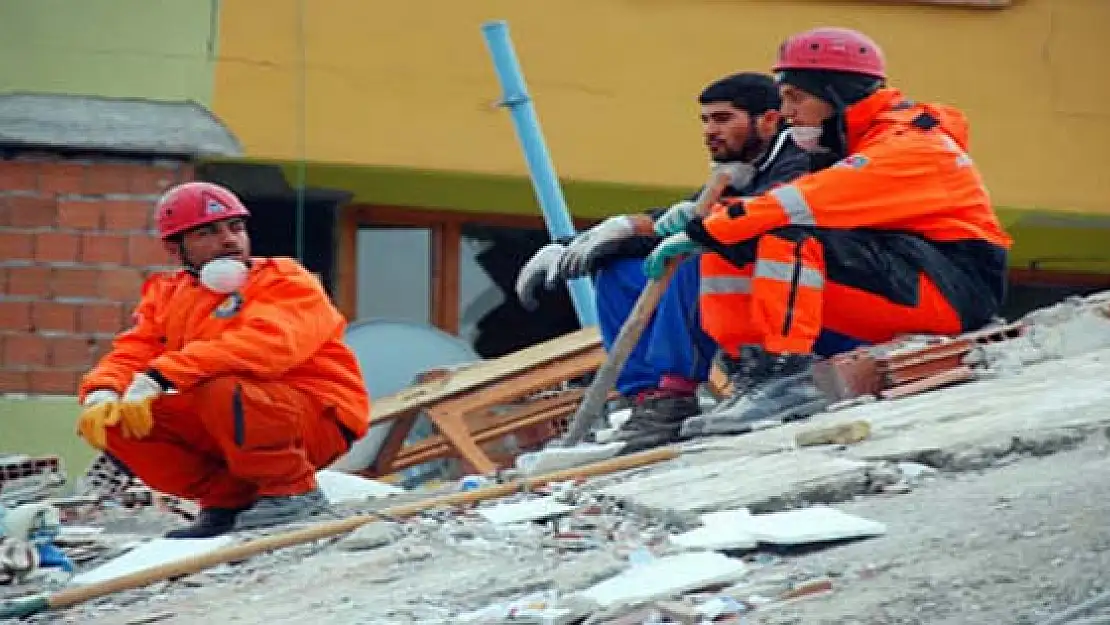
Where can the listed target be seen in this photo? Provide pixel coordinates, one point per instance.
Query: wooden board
(479, 374)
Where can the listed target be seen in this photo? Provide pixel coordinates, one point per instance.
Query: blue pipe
(545, 182)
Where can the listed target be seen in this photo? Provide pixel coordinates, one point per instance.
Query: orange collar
(861, 116)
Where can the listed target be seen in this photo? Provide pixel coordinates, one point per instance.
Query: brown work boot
(656, 419)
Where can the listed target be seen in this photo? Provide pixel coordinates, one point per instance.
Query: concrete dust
(1009, 545)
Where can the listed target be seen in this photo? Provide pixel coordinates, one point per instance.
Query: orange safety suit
(264, 391)
(899, 237)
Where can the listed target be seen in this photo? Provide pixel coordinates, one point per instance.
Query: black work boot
(656, 419)
(779, 388)
(277, 510)
(209, 522)
(744, 373)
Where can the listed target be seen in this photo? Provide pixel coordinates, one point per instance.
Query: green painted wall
(151, 49)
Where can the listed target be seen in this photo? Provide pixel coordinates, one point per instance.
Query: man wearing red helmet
(897, 237)
(233, 385)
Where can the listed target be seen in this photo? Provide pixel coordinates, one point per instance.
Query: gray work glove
(542, 268)
(598, 242)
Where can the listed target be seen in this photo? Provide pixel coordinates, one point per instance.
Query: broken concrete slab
(1034, 406)
(716, 538)
(815, 524)
(669, 576)
(723, 530)
(559, 458)
(524, 511)
(340, 487)
(154, 553)
(370, 536)
(710, 482)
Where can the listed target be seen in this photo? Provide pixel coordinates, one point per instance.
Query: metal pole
(545, 182)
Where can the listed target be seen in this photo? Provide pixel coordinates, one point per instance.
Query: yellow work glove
(135, 418)
(94, 421)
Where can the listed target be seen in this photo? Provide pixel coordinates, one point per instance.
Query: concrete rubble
(863, 514)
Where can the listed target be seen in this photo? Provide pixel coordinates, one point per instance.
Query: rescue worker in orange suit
(233, 386)
(897, 237)
(744, 135)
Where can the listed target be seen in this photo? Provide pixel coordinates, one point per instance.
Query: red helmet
(835, 49)
(193, 204)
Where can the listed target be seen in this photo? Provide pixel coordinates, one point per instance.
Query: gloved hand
(671, 247)
(94, 422)
(542, 268)
(675, 219)
(740, 173)
(583, 253)
(136, 419)
(142, 387)
(100, 396)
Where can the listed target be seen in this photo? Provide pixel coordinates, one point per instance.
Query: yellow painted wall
(410, 84)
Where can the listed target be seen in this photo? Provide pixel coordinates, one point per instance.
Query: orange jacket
(900, 175)
(279, 326)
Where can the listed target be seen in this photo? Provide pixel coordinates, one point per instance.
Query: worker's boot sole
(210, 522)
(280, 510)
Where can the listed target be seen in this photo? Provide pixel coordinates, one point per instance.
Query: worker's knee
(216, 389)
(212, 404)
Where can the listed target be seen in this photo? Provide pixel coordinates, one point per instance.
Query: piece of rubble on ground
(569, 549)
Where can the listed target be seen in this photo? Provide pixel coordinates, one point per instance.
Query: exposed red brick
(25, 350)
(57, 247)
(99, 248)
(80, 214)
(29, 281)
(185, 173)
(17, 244)
(27, 211)
(120, 284)
(100, 318)
(52, 382)
(71, 352)
(61, 178)
(146, 251)
(101, 179)
(126, 215)
(100, 348)
(75, 282)
(152, 180)
(19, 176)
(53, 316)
(13, 381)
(15, 316)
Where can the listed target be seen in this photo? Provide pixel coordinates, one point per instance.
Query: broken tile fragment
(814, 524)
(668, 576)
(523, 511)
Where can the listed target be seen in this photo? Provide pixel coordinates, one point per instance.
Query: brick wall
(76, 242)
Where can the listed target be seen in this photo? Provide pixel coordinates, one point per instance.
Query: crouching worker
(898, 237)
(233, 385)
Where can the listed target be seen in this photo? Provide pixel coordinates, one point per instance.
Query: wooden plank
(486, 372)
